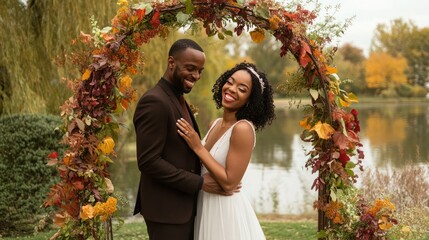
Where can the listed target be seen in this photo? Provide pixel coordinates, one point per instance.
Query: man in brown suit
(170, 171)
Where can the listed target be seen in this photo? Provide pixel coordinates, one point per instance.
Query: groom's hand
(211, 186)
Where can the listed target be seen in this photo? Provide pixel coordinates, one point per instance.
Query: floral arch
(84, 196)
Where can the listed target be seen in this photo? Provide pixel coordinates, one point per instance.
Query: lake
(393, 135)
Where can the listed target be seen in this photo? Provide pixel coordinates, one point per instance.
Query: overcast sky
(369, 13)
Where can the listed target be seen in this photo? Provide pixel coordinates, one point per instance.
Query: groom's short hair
(183, 44)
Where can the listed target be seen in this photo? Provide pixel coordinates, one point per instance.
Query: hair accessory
(261, 82)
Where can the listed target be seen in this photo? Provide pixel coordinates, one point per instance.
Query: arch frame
(84, 196)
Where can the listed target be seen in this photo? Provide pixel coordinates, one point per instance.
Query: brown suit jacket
(170, 171)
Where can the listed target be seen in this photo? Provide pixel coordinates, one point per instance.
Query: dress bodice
(219, 151)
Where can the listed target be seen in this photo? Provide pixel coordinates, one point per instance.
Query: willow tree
(84, 196)
(32, 35)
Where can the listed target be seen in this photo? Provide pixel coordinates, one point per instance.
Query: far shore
(294, 102)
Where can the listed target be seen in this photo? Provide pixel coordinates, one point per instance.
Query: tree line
(34, 34)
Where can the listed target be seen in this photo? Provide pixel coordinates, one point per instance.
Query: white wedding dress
(225, 217)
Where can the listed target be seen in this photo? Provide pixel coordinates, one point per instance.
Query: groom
(170, 171)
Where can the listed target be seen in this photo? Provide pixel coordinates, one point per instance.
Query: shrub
(25, 143)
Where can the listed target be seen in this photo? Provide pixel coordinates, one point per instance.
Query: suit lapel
(175, 101)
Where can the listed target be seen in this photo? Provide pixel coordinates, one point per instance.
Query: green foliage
(25, 143)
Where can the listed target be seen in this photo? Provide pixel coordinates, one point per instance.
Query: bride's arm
(238, 157)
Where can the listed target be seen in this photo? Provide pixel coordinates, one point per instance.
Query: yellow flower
(87, 212)
(107, 145)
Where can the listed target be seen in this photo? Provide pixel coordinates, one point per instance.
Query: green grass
(274, 230)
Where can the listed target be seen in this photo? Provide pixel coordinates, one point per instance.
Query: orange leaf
(86, 75)
(331, 70)
(257, 35)
(124, 104)
(304, 123)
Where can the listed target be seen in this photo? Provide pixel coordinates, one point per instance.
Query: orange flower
(274, 22)
(87, 212)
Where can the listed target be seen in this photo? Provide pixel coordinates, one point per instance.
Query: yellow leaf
(324, 130)
(331, 70)
(345, 102)
(257, 35)
(107, 145)
(353, 98)
(86, 75)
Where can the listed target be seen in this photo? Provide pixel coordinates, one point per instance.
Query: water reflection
(393, 135)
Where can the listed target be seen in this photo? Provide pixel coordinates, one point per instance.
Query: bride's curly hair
(260, 107)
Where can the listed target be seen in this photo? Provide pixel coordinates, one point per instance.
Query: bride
(246, 98)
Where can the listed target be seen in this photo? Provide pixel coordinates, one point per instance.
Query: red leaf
(78, 185)
(155, 20)
(304, 57)
(140, 13)
(53, 155)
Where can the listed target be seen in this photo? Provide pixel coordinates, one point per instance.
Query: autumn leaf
(107, 145)
(109, 185)
(304, 57)
(86, 75)
(323, 130)
(59, 219)
(305, 124)
(53, 155)
(257, 35)
(124, 104)
(331, 70)
(140, 13)
(155, 19)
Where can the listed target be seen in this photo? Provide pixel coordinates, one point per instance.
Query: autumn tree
(384, 71)
(405, 39)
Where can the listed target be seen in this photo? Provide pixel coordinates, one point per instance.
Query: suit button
(192, 170)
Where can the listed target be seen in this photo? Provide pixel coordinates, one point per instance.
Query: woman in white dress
(247, 101)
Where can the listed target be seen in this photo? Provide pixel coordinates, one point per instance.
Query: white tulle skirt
(226, 218)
